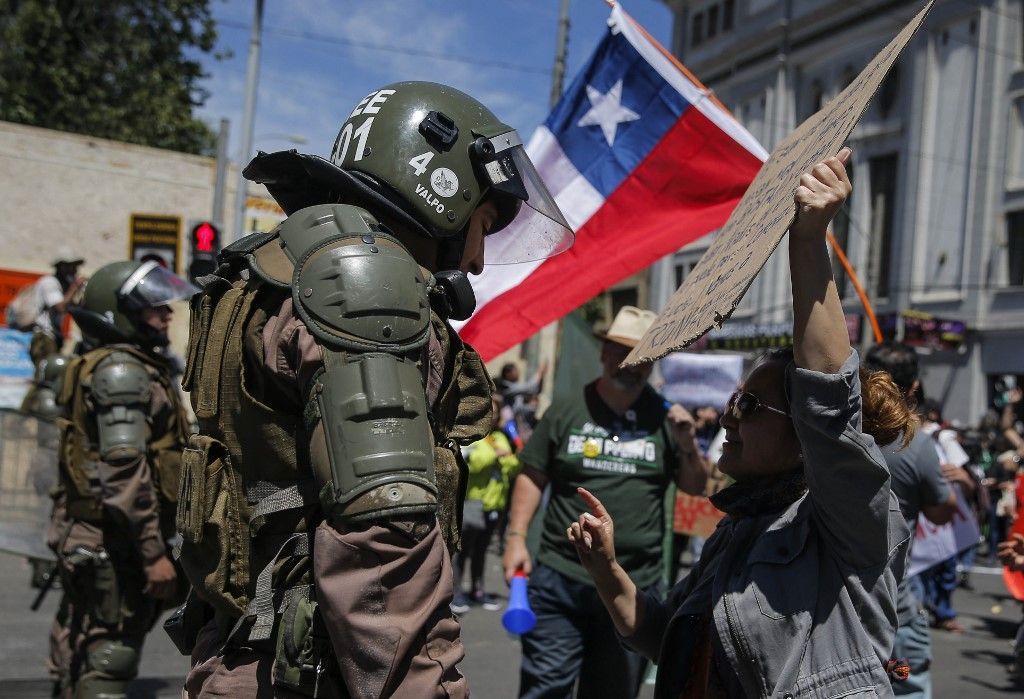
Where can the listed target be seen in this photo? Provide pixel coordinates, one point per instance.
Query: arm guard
(121, 393)
(365, 300)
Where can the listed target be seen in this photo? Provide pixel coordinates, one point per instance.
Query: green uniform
(115, 515)
(626, 461)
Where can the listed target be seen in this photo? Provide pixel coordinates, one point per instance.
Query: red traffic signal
(205, 238)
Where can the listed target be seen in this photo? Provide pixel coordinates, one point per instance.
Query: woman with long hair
(795, 592)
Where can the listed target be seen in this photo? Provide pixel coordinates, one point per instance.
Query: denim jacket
(804, 600)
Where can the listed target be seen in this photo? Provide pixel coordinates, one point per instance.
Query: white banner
(695, 380)
(934, 544)
(16, 368)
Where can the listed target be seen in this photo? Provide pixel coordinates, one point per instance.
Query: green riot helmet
(424, 156)
(116, 295)
(437, 154)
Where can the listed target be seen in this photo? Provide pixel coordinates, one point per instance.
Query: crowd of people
(329, 521)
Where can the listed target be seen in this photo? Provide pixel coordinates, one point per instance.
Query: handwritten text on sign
(711, 293)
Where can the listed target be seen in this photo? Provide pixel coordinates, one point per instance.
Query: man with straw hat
(625, 440)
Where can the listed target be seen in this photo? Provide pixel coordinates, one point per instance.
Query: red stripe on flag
(686, 187)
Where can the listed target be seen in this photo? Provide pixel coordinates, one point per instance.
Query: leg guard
(110, 665)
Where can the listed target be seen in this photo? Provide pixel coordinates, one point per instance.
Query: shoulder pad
(121, 379)
(261, 254)
(354, 286)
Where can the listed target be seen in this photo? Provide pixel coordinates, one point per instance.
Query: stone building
(936, 221)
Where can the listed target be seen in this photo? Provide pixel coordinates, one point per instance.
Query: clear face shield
(152, 285)
(538, 230)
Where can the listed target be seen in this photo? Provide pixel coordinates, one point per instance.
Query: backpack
(23, 310)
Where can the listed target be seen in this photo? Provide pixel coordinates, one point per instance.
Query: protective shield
(539, 230)
(28, 472)
(151, 286)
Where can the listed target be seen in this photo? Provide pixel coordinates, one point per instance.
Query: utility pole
(544, 345)
(217, 215)
(252, 76)
(558, 71)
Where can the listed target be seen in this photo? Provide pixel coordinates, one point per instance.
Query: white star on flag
(606, 111)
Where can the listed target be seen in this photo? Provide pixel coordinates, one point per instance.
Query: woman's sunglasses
(742, 405)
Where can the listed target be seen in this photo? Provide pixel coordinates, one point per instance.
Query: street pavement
(972, 664)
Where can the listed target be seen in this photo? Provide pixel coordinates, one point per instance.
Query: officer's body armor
(260, 477)
(107, 416)
(105, 395)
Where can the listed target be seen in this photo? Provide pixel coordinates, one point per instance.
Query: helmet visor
(152, 285)
(539, 230)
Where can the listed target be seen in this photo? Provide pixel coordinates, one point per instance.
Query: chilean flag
(641, 160)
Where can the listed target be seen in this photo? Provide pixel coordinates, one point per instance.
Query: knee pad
(90, 687)
(112, 659)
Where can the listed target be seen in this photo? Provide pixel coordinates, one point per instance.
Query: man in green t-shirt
(626, 444)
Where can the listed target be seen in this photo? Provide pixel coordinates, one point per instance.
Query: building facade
(936, 221)
(63, 189)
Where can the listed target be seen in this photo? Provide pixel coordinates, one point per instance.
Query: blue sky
(320, 57)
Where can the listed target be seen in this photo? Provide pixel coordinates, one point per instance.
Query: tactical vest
(248, 500)
(79, 445)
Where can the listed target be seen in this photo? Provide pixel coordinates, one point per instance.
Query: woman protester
(795, 592)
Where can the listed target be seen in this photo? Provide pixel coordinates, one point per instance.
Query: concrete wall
(59, 188)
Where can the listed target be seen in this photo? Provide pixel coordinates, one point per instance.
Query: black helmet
(116, 295)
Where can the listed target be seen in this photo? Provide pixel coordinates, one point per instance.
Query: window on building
(849, 74)
(813, 100)
(888, 92)
(697, 34)
(1015, 144)
(728, 14)
(683, 269)
(882, 172)
(628, 296)
(712, 21)
(1015, 248)
(841, 231)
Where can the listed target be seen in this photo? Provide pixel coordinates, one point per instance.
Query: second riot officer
(121, 436)
(333, 397)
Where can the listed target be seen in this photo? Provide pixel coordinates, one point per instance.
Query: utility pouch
(184, 625)
(93, 580)
(303, 660)
(82, 503)
(212, 519)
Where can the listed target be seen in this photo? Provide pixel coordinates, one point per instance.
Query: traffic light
(205, 241)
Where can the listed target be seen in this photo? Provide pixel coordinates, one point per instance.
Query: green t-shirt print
(627, 461)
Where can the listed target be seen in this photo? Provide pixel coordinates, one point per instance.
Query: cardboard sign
(695, 516)
(741, 248)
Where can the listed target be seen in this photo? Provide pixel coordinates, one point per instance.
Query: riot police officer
(333, 396)
(121, 436)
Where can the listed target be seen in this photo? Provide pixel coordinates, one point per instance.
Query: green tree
(119, 69)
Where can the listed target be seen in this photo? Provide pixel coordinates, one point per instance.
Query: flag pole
(869, 310)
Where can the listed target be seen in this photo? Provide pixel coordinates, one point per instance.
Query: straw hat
(629, 326)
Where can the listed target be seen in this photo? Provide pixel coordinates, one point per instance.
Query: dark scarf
(757, 496)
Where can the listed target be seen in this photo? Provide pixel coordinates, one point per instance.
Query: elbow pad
(365, 299)
(121, 391)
